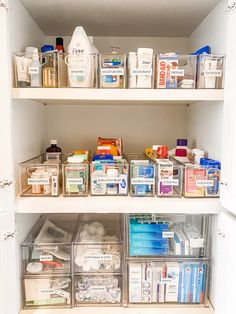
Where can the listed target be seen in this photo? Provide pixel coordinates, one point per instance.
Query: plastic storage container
(98, 243)
(210, 71)
(169, 175)
(75, 178)
(142, 175)
(153, 282)
(141, 69)
(46, 292)
(112, 70)
(167, 235)
(39, 177)
(176, 71)
(98, 289)
(82, 70)
(109, 177)
(47, 249)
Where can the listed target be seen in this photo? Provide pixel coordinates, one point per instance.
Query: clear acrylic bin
(98, 289)
(167, 235)
(75, 179)
(140, 70)
(176, 71)
(142, 175)
(28, 71)
(169, 176)
(48, 247)
(39, 177)
(109, 177)
(210, 71)
(155, 282)
(97, 245)
(82, 70)
(201, 182)
(47, 292)
(112, 70)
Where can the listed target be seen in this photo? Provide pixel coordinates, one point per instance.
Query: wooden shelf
(117, 204)
(118, 96)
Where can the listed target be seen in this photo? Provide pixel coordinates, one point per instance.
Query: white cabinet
(26, 126)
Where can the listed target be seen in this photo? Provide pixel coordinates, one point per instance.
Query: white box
(135, 280)
(172, 288)
(146, 283)
(158, 288)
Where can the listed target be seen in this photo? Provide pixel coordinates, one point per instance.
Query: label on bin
(141, 72)
(107, 71)
(33, 70)
(97, 257)
(74, 181)
(150, 181)
(46, 258)
(173, 182)
(40, 181)
(166, 280)
(47, 291)
(62, 293)
(108, 180)
(204, 182)
(213, 73)
(177, 72)
(98, 288)
(76, 71)
(168, 234)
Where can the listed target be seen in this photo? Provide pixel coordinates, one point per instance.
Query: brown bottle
(53, 152)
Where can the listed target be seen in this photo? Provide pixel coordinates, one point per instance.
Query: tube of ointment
(22, 71)
(145, 59)
(132, 65)
(209, 67)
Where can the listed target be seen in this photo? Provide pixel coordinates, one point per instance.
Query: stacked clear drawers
(46, 262)
(97, 260)
(167, 258)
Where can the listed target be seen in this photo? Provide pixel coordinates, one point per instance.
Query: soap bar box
(48, 247)
(97, 244)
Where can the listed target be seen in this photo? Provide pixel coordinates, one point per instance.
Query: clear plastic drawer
(47, 248)
(176, 71)
(46, 292)
(167, 235)
(98, 243)
(155, 282)
(109, 177)
(210, 71)
(39, 177)
(98, 289)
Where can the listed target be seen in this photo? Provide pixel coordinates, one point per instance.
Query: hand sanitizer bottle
(35, 70)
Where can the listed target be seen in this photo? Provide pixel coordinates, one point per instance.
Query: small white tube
(132, 64)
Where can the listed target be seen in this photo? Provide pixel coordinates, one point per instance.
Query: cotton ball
(86, 267)
(86, 227)
(92, 229)
(100, 231)
(79, 260)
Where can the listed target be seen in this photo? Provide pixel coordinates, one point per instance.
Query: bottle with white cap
(35, 70)
(53, 153)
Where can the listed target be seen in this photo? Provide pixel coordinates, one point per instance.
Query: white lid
(53, 142)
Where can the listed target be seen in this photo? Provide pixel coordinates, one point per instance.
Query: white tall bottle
(35, 70)
(80, 62)
(94, 58)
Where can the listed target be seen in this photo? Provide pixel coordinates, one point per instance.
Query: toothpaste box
(180, 242)
(135, 280)
(158, 288)
(181, 284)
(172, 285)
(146, 285)
(198, 279)
(187, 273)
(164, 174)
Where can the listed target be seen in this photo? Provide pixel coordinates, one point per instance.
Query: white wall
(139, 125)
(159, 44)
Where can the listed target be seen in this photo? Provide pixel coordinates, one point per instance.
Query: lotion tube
(132, 64)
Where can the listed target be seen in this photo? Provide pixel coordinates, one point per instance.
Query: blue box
(163, 243)
(148, 227)
(135, 251)
(145, 236)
